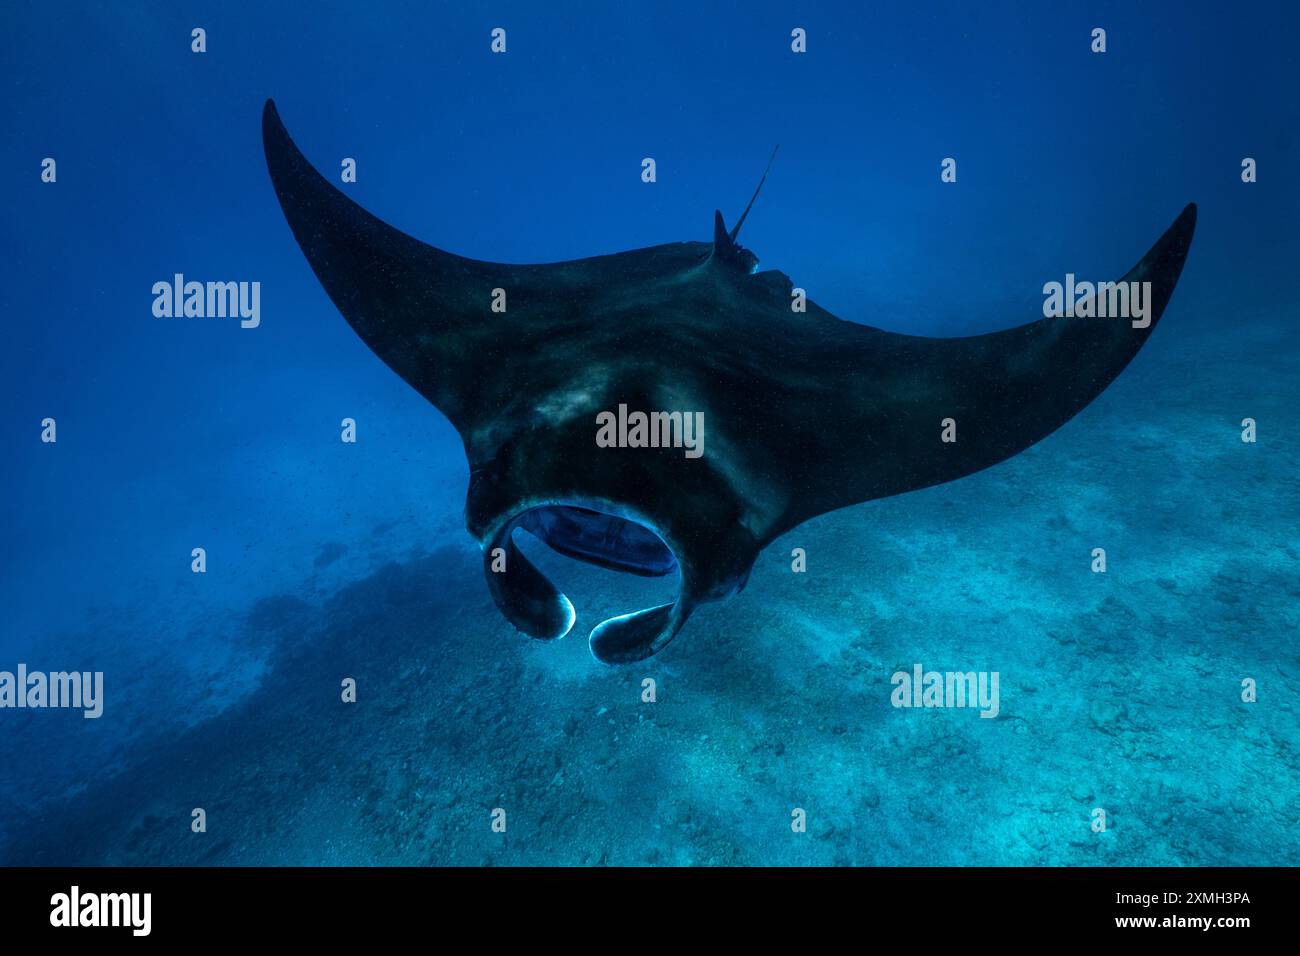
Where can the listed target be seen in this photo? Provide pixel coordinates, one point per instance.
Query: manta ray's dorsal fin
(720, 238)
(725, 247)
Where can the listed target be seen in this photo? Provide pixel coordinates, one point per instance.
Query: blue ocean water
(1119, 691)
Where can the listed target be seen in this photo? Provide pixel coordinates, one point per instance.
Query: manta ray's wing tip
(1170, 250)
(1164, 261)
(271, 121)
(1184, 226)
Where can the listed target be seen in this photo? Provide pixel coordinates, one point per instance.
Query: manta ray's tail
(735, 231)
(725, 248)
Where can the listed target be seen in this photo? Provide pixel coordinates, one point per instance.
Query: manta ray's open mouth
(602, 539)
(616, 542)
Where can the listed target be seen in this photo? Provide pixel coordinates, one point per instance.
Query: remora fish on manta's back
(805, 413)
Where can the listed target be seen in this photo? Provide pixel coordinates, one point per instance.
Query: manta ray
(805, 413)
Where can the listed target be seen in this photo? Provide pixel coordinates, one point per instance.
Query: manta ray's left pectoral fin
(894, 413)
